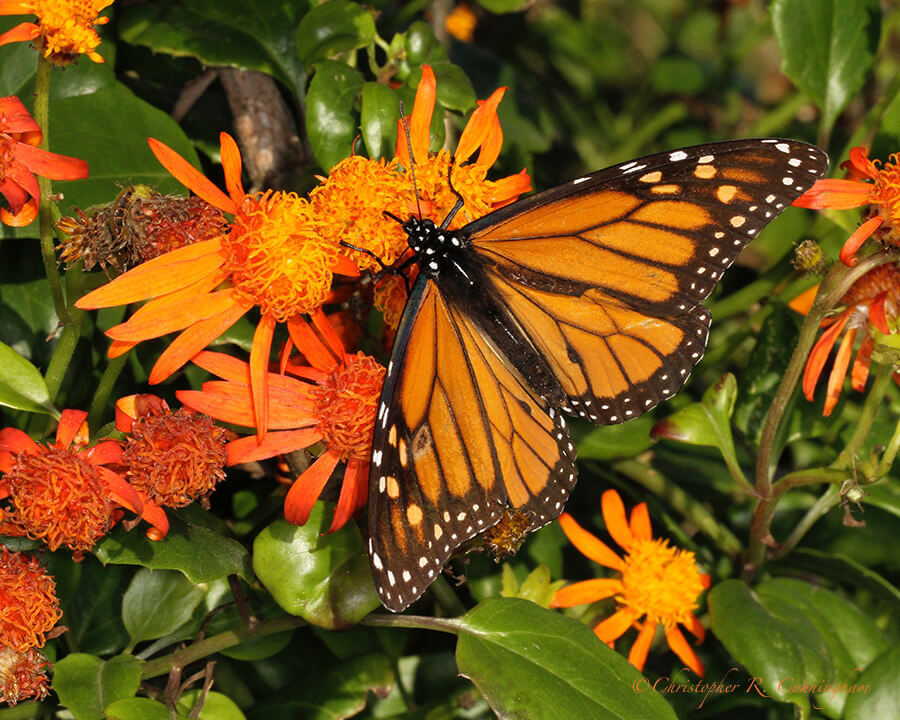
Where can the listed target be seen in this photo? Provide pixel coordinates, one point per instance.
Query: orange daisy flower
(357, 193)
(64, 494)
(64, 28)
(21, 158)
(331, 401)
(873, 305)
(868, 182)
(273, 256)
(657, 582)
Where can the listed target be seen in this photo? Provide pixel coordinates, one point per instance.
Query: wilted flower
(23, 675)
(29, 608)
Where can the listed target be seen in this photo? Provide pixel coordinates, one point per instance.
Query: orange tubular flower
(658, 582)
(332, 401)
(868, 182)
(357, 191)
(63, 494)
(64, 28)
(20, 158)
(873, 304)
(274, 256)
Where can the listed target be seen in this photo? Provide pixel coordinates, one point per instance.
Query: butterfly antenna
(412, 160)
(364, 251)
(459, 198)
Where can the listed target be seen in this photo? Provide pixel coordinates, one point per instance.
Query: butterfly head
(433, 245)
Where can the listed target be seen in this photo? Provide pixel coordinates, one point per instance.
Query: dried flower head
(23, 675)
(29, 607)
(504, 539)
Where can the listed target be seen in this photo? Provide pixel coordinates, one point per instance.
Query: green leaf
(93, 613)
(330, 111)
(534, 663)
(114, 151)
(537, 587)
(201, 554)
(764, 370)
(137, 709)
(852, 638)
(771, 638)
(828, 48)
(21, 384)
(337, 693)
(876, 693)
(454, 89)
(379, 115)
(503, 6)
(86, 684)
(248, 36)
(216, 706)
(332, 28)
(612, 441)
(158, 602)
(422, 47)
(325, 579)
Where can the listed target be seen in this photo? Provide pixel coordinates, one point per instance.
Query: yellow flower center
(278, 256)
(886, 191)
(660, 581)
(67, 28)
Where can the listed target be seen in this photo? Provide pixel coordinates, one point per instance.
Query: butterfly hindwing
(458, 438)
(606, 274)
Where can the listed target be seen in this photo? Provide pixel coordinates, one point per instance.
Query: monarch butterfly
(581, 300)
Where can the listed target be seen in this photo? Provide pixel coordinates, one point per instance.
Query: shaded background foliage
(591, 83)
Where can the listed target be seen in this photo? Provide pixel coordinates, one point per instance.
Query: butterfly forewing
(606, 273)
(458, 438)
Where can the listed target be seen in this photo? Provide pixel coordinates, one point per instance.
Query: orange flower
(29, 607)
(274, 256)
(461, 22)
(332, 400)
(873, 304)
(357, 192)
(23, 675)
(64, 28)
(20, 158)
(63, 494)
(868, 182)
(658, 582)
(172, 457)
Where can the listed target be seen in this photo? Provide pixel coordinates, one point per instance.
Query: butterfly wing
(458, 437)
(605, 274)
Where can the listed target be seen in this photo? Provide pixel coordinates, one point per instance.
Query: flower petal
(231, 403)
(490, 148)
(121, 492)
(640, 522)
(162, 316)
(859, 375)
(24, 32)
(307, 488)
(71, 423)
(51, 165)
(615, 626)
(348, 502)
(16, 120)
(614, 516)
(259, 373)
(804, 301)
(164, 274)
(508, 189)
(696, 628)
(248, 449)
(231, 165)
(684, 651)
(103, 453)
(859, 236)
(586, 591)
(638, 654)
(190, 177)
(156, 516)
(344, 266)
(308, 342)
(326, 330)
(835, 194)
(877, 314)
(224, 366)
(195, 339)
(839, 372)
(420, 121)
(819, 354)
(478, 127)
(589, 546)
(15, 441)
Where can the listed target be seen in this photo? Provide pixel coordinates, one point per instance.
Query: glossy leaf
(325, 579)
(828, 48)
(538, 664)
(378, 116)
(771, 638)
(86, 684)
(249, 36)
(216, 706)
(338, 693)
(331, 28)
(198, 552)
(612, 441)
(21, 384)
(137, 709)
(330, 111)
(422, 47)
(94, 611)
(876, 693)
(158, 602)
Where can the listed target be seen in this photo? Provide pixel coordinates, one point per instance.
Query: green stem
(210, 646)
(738, 302)
(446, 598)
(833, 288)
(828, 500)
(697, 513)
(45, 212)
(810, 476)
(883, 377)
(68, 339)
(890, 453)
(104, 389)
(446, 625)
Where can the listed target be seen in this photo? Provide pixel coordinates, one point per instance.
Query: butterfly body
(581, 300)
